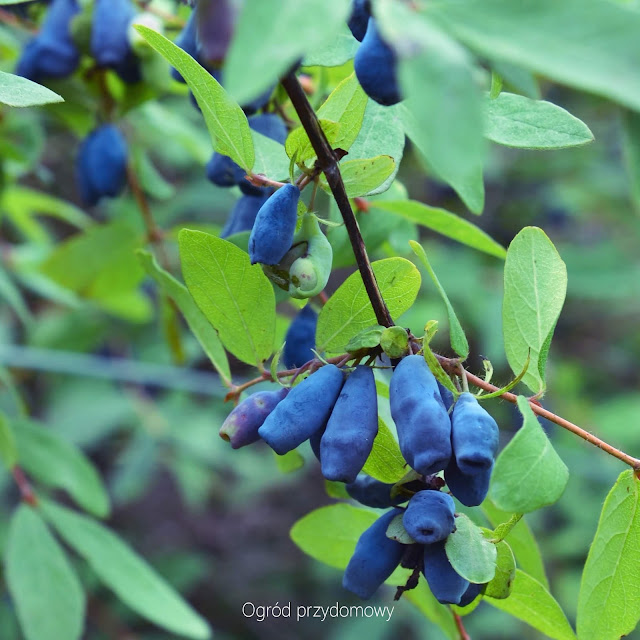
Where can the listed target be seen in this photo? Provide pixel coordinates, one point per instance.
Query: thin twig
(24, 486)
(460, 626)
(451, 366)
(329, 165)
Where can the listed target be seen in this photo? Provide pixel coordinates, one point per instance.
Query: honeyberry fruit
(472, 592)
(110, 44)
(243, 215)
(275, 226)
(471, 490)
(300, 339)
(422, 422)
(430, 516)
(446, 395)
(304, 411)
(352, 427)
(375, 65)
(447, 586)
(373, 493)
(374, 559)
(474, 435)
(101, 165)
(360, 14)
(52, 53)
(241, 426)
(223, 171)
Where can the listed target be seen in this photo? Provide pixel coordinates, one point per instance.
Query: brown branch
(237, 390)
(24, 486)
(460, 627)
(329, 165)
(451, 365)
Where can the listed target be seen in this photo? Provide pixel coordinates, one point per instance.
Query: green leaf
(516, 121)
(349, 310)
(501, 584)
(345, 105)
(329, 534)
(596, 54)
(631, 140)
(528, 474)
(532, 603)
(55, 462)
(109, 278)
(385, 462)
(422, 598)
(16, 91)
(126, 573)
(289, 462)
(368, 338)
(456, 333)
(470, 553)
(8, 449)
(448, 224)
(521, 541)
(535, 286)
(381, 133)
(234, 296)
(12, 295)
(198, 323)
(227, 124)
(46, 592)
(609, 602)
(271, 157)
(361, 177)
(442, 111)
(299, 146)
(151, 180)
(271, 35)
(335, 53)
(397, 532)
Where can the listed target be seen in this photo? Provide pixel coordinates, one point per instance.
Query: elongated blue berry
(471, 490)
(101, 165)
(422, 422)
(241, 426)
(275, 226)
(472, 592)
(447, 586)
(300, 338)
(373, 493)
(243, 215)
(375, 66)
(360, 14)
(304, 411)
(110, 44)
(52, 52)
(352, 427)
(474, 435)
(374, 558)
(430, 516)
(446, 395)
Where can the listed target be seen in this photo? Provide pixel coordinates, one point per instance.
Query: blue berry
(430, 516)
(304, 411)
(447, 586)
(300, 339)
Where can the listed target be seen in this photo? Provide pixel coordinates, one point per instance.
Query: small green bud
(395, 342)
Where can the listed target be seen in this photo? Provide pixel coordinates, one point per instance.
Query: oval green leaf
(349, 310)
(46, 592)
(535, 286)
(235, 296)
(227, 124)
(385, 462)
(516, 121)
(609, 602)
(126, 573)
(528, 474)
(470, 553)
(445, 223)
